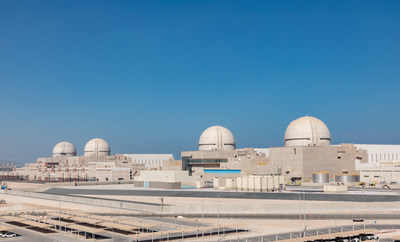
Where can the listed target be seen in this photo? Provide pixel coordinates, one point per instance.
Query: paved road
(176, 221)
(230, 194)
(313, 232)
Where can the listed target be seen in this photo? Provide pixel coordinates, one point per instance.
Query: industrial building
(380, 173)
(252, 183)
(299, 163)
(96, 164)
(217, 146)
(166, 179)
(306, 156)
(383, 165)
(379, 153)
(150, 161)
(307, 149)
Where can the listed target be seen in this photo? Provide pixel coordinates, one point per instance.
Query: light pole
(218, 213)
(59, 220)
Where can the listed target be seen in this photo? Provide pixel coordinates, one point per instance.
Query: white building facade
(380, 153)
(151, 161)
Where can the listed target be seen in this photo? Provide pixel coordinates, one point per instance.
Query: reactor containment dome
(96, 147)
(307, 131)
(64, 148)
(217, 138)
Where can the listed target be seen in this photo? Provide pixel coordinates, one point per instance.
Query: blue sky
(150, 76)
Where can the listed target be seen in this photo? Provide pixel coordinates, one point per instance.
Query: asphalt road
(231, 194)
(314, 232)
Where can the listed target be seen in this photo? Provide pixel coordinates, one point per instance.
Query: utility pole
(305, 225)
(59, 220)
(202, 213)
(218, 213)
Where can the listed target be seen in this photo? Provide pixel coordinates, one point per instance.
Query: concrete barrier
(113, 203)
(222, 207)
(47, 185)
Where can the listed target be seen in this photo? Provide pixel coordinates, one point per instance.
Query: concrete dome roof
(96, 147)
(64, 148)
(307, 131)
(217, 138)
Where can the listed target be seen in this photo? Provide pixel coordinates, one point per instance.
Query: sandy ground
(18, 203)
(257, 226)
(267, 227)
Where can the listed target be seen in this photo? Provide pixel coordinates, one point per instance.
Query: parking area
(81, 226)
(7, 233)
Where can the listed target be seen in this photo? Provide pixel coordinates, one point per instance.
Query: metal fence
(314, 232)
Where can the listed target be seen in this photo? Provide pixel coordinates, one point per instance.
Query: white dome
(64, 149)
(217, 138)
(96, 147)
(307, 131)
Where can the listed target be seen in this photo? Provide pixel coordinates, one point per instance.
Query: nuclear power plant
(306, 155)
(217, 190)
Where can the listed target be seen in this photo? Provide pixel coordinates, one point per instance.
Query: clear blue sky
(150, 76)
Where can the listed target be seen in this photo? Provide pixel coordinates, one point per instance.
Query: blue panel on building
(218, 171)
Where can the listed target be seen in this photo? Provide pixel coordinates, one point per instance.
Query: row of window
(377, 157)
(148, 161)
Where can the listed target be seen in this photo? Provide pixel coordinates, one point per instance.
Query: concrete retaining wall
(155, 184)
(224, 206)
(45, 186)
(137, 206)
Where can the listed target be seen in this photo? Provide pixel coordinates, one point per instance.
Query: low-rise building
(150, 161)
(252, 183)
(380, 153)
(387, 172)
(172, 176)
(107, 171)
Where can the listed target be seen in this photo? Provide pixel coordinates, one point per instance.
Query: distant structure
(381, 153)
(150, 161)
(63, 149)
(216, 144)
(306, 156)
(217, 138)
(307, 149)
(383, 165)
(217, 156)
(97, 164)
(307, 131)
(97, 147)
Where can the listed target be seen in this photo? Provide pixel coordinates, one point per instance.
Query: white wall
(377, 153)
(150, 160)
(168, 176)
(263, 150)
